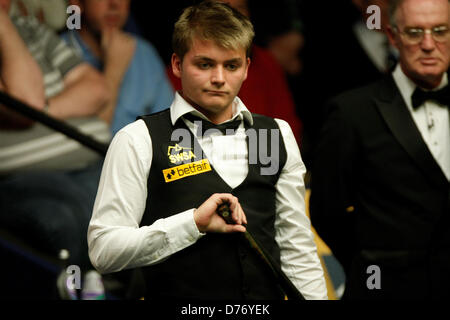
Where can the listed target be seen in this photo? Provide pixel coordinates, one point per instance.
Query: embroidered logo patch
(186, 170)
(178, 154)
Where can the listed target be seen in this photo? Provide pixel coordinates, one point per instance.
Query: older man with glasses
(380, 179)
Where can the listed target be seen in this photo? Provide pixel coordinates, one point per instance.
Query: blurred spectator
(334, 57)
(52, 13)
(48, 208)
(16, 62)
(74, 91)
(131, 66)
(283, 36)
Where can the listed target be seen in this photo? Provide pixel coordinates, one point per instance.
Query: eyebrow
(435, 26)
(204, 58)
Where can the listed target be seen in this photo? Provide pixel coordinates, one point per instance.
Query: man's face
(211, 77)
(425, 62)
(101, 14)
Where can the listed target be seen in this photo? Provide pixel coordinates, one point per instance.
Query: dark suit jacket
(326, 74)
(379, 197)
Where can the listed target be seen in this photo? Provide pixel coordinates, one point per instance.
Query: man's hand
(118, 48)
(208, 220)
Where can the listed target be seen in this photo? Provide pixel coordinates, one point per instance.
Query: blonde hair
(212, 20)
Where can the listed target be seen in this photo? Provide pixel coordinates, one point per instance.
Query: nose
(217, 76)
(428, 42)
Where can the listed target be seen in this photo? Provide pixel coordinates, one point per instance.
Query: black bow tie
(206, 125)
(419, 96)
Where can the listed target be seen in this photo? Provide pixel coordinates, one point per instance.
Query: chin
(431, 73)
(431, 78)
(215, 106)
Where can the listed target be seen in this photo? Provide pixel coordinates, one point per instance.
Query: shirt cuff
(182, 230)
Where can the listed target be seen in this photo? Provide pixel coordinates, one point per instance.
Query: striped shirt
(53, 55)
(40, 147)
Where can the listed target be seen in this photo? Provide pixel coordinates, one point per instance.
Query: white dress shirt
(117, 242)
(431, 119)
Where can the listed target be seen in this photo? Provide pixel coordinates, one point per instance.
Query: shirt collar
(181, 107)
(407, 86)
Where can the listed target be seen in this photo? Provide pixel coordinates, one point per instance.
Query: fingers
(208, 220)
(237, 213)
(229, 228)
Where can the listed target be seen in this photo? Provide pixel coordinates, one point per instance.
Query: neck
(92, 41)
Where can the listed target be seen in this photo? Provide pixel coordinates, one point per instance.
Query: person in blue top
(132, 67)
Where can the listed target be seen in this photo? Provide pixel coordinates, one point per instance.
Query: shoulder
(362, 93)
(145, 46)
(68, 36)
(359, 99)
(157, 116)
(147, 57)
(133, 136)
(265, 122)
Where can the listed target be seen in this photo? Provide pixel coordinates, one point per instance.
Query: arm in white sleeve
(116, 240)
(298, 251)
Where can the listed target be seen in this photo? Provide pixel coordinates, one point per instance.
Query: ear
(176, 65)
(392, 37)
(246, 68)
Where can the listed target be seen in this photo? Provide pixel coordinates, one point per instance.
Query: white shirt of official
(117, 242)
(431, 119)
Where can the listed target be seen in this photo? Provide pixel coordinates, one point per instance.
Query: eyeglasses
(416, 35)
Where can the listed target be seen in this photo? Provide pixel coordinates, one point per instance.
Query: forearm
(118, 247)
(118, 49)
(116, 240)
(9, 119)
(85, 94)
(113, 78)
(21, 75)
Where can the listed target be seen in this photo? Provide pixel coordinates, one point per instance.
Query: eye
(204, 65)
(232, 67)
(414, 33)
(440, 31)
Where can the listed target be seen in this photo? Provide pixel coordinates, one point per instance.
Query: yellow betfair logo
(182, 155)
(186, 170)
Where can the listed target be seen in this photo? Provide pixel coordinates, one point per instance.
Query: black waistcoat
(217, 266)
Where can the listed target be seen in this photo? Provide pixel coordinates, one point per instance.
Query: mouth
(428, 61)
(112, 20)
(216, 92)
